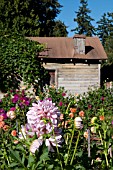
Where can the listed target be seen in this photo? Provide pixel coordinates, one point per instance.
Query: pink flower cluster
(43, 121)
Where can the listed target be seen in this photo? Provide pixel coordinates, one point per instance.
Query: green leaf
(50, 166)
(80, 167)
(30, 160)
(15, 155)
(13, 165)
(79, 153)
(19, 168)
(23, 159)
(44, 156)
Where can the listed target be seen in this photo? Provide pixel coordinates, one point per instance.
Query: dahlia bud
(11, 114)
(78, 123)
(93, 120)
(14, 133)
(86, 135)
(93, 129)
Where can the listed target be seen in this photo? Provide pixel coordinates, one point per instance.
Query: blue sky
(97, 7)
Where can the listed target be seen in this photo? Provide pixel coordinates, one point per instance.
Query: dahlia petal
(35, 145)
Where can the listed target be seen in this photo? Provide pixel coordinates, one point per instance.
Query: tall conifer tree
(105, 27)
(83, 20)
(60, 30)
(105, 33)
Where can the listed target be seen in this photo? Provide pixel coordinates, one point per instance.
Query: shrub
(96, 99)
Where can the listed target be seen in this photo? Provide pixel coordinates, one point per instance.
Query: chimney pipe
(79, 43)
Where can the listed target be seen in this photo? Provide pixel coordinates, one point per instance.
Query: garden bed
(56, 131)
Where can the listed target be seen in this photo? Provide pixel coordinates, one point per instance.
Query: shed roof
(63, 47)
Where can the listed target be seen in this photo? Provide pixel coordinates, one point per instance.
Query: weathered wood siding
(76, 78)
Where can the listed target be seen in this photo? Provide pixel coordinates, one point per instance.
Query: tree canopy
(19, 62)
(109, 50)
(83, 20)
(105, 27)
(60, 30)
(105, 33)
(19, 16)
(30, 17)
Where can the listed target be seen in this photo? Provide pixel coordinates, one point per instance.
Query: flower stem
(68, 107)
(107, 163)
(70, 145)
(105, 153)
(57, 150)
(75, 148)
(104, 144)
(101, 137)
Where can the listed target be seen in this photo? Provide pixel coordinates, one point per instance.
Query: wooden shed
(73, 62)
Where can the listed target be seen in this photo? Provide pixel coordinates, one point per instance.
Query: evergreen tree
(110, 23)
(59, 29)
(84, 20)
(47, 12)
(29, 17)
(109, 50)
(105, 27)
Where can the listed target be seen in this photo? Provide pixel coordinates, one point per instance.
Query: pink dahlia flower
(43, 120)
(43, 117)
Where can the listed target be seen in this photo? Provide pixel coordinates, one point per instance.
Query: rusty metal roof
(63, 47)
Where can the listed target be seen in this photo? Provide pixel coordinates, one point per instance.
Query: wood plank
(77, 85)
(58, 65)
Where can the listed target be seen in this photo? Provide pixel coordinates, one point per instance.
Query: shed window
(51, 80)
(52, 77)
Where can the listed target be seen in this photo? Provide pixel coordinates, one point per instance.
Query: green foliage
(19, 62)
(47, 12)
(95, 110)
(19, 16)
(30, 18)
(58, 96)
(96, 99)
(59, 29)
(83, 20)
(16, 103)
(105, 33)
(109, 50)
(105, 27)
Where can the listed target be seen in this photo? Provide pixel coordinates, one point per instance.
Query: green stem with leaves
(75, 148)
(68, 107)
(57, 150)
(104, 144)
(70, 145)
(105, 149)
